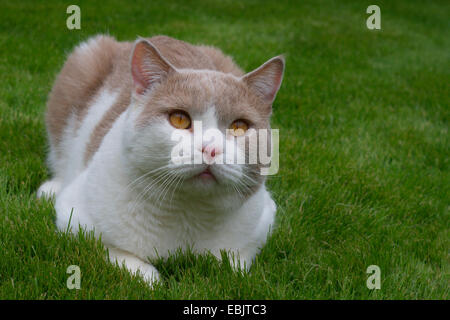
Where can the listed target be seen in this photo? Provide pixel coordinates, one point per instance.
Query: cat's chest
(152, 229)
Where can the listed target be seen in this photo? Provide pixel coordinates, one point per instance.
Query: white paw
(134, 265)
(239, 264)
(49, 189)
(149, 274)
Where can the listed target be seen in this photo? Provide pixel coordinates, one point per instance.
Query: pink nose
(210, 151)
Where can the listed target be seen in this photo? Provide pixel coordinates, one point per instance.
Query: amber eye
(180, 120)
(238, 128)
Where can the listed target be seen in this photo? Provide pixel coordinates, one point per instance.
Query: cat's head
(191, 110)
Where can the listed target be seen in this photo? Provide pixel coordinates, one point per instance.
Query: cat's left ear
(148, 66)
(265, 81)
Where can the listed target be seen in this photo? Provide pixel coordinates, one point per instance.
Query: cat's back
(81, 77)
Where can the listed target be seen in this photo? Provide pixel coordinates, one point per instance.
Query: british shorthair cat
(110, 120)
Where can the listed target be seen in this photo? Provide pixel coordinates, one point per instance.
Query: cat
(110, 118)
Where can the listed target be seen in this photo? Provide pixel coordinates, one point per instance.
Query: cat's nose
(211, 151)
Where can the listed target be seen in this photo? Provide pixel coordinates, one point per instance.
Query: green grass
(364, 149)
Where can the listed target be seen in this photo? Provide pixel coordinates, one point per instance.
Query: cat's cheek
(148, 148)
(228, 175)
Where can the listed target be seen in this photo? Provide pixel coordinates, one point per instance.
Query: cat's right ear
(148, 66)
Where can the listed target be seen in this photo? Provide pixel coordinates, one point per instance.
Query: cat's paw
(49, 189)
(134, 265)
(149, 274)
(240, 265)
(238, 261)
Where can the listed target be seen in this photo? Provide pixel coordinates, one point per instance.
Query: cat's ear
(266, 80)
(148, 66)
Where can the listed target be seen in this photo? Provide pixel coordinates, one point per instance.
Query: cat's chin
(214, 182)
(205, 179)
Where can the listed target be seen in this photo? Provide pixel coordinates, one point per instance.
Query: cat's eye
(180, 120)
(238, 128)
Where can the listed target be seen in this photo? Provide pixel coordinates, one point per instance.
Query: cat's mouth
(206, 175)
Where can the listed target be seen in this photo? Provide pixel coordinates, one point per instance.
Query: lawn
(364, 149)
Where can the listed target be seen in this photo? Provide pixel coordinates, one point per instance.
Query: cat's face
(186, 127)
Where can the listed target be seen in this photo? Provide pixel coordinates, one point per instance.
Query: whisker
(147, 188)
(145, 175)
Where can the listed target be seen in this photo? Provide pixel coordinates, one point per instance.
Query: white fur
(70, 163)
